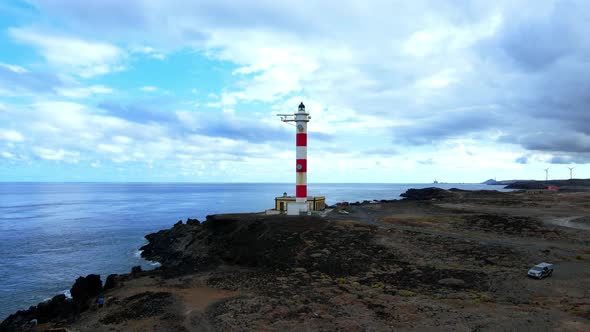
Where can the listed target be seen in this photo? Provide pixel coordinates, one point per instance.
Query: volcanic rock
(86, 288)
(111, 282)
(426, 194)
(59, 308)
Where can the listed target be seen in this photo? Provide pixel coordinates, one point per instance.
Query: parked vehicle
(541, 271)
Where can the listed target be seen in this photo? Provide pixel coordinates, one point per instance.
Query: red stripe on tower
(301, 139)
(301, 165)
(301, 191)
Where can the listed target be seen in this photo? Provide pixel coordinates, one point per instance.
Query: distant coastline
(571, 184)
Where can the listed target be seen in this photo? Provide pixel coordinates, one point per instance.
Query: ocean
(52, 233)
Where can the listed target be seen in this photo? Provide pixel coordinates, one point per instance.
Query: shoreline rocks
(84, 289)
(427, 194)
(59, 309)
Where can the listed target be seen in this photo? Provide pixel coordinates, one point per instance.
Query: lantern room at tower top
(300, 204)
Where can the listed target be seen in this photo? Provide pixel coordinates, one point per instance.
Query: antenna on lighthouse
(571, 168)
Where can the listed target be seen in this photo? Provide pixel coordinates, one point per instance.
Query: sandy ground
(179, 302)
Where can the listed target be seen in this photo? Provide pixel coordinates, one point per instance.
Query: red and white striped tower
(301, 118)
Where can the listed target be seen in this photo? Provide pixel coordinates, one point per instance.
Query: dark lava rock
(527, 185)
(243, 239)
(510, 225)
(136, 269)
(165, 245)
(580, 183)
(111, 282)
(284, 244)
(58, 309)
(190, 221)
(427, 194)
(50, 308)
(430, 278)
(142, 305)
(85, 288)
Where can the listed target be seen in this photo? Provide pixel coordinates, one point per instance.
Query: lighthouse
(302, 204)
(301, 120)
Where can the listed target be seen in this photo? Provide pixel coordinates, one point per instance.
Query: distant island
(493, 182)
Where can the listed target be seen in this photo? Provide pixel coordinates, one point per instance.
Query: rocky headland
(569, 185)
(438, 259)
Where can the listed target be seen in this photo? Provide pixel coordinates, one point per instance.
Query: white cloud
(6, 93)
(438, 80)
(83, 92)
(122, 139)
(57, 154)
(11, 135)
(150, 51)
(149, 88)
(7, 155)
(445, 38)
(190, 120)
(62, 116)
(14, 68)
(110, 148)
(84, 58)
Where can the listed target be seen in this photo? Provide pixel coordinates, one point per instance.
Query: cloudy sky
(398, 91)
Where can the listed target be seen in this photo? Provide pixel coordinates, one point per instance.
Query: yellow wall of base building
(316, 203)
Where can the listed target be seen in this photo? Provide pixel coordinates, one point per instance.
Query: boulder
(85, 288)
(193, 222)
(111, 282)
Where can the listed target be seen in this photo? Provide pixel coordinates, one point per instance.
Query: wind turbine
(571, 168)
(546, 174)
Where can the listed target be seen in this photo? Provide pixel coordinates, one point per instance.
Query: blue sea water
(51, 233)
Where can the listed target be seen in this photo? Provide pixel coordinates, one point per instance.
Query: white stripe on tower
(301, 152)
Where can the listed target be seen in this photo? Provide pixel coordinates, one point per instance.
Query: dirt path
(569, 223)
(184, 300)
